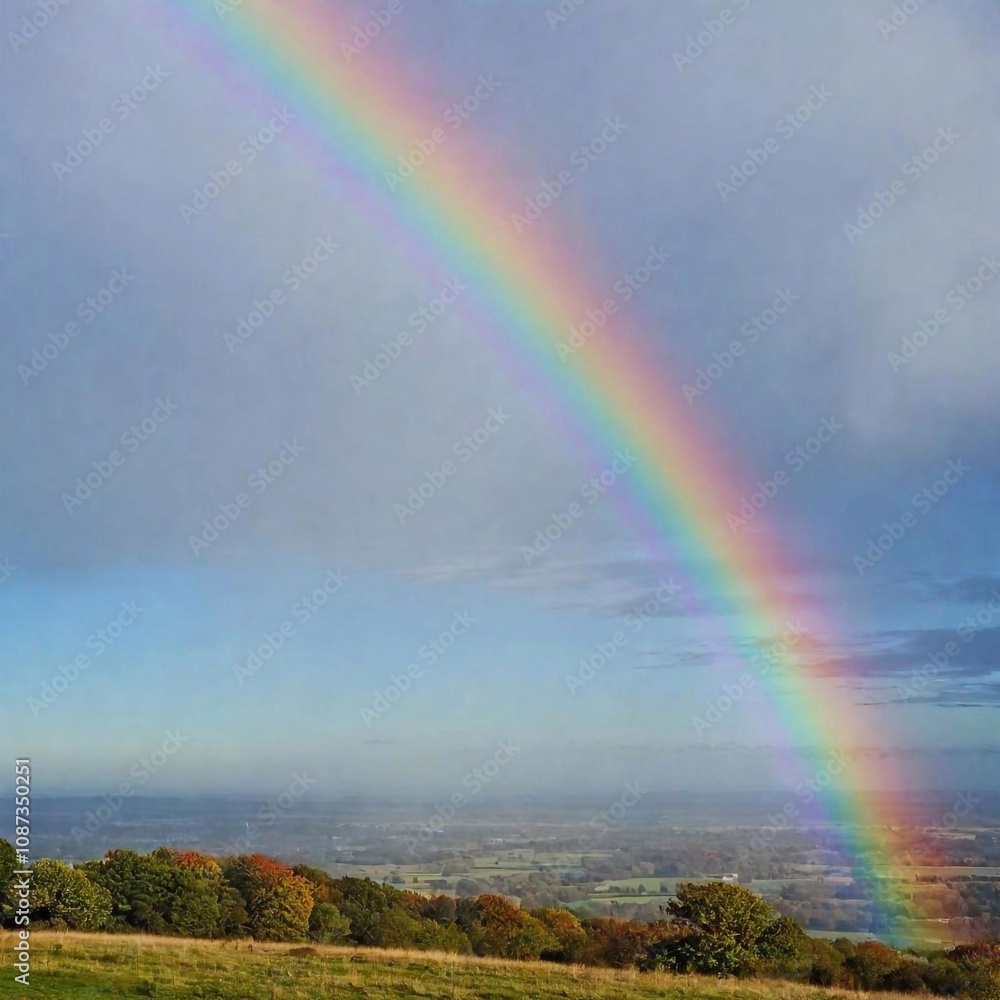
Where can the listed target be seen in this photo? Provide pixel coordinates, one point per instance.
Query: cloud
(977, 588)
(947, 668)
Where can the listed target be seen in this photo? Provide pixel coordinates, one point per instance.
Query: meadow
(75, 966)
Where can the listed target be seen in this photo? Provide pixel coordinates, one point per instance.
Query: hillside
(85, 966)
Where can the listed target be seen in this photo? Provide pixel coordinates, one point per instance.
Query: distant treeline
(715, 928)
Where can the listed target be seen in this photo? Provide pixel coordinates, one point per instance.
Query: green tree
(328, 925)
(365, 903)
(62, 896)
(193, 889)
(432, 936)
(138, 885)
(8, 865)
(731, 931)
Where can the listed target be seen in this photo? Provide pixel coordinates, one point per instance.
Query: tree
(8, 865)
(62, 896)
(730, 931)
(194, 891)
(138, 885)
(440, 909)
(981, 964)
(278, 902)
(871, 965)
(569, 939)
(328, 925)
(496, 927)
(621, 944)
(365, 904)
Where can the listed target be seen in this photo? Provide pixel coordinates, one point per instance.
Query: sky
(223, 353)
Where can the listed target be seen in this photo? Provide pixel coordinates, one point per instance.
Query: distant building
(729, 877)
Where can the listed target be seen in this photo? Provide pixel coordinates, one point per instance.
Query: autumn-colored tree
(327, 924)
(621, 944)
(569, 937)
(64, 897)
(440, 909)
(871, 963)
(278, 902)
(495, 926)
(980, 963)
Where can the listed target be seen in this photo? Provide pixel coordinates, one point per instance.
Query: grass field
(87, 966)
(955, 871)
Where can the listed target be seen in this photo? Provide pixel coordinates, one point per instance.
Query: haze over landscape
(163, 345)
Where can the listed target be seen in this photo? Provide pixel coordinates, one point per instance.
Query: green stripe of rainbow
(365, 113)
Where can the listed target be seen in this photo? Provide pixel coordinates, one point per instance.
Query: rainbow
(357, 113)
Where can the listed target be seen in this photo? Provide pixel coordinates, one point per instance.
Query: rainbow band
(360, 114)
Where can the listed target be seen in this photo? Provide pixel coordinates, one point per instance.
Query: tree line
(714, 928)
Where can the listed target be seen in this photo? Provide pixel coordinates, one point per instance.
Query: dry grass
(73, 965)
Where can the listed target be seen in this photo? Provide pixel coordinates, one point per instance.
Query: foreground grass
(103, 965)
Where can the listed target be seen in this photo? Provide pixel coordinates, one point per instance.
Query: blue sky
(147, 374)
